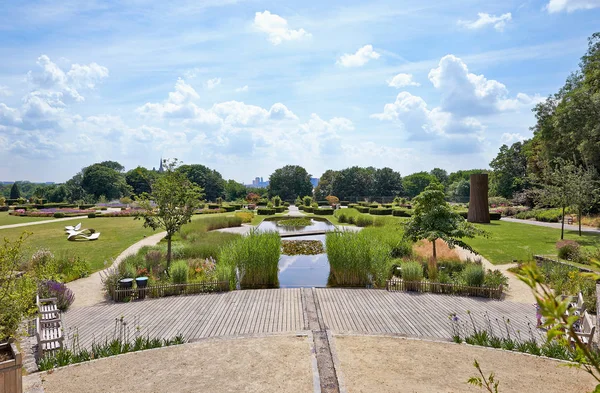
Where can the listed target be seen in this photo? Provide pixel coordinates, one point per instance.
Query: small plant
(489, 383)
(412, 271)
(307, 201)
(179, 272)
(64, 296)
(276, 200)
(474, 275)
(569, 250)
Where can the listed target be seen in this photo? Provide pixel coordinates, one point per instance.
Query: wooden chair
(588, 328)
(49, 336)
(48, 311)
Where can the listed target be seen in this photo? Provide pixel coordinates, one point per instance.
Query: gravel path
(555, 225)
(88, 290)
(517, 290)
(26, 224)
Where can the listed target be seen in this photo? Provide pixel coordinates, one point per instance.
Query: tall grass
(209, 223)
(349, 258)
(251, 261)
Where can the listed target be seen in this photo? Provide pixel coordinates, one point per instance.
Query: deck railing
(163, 290)
(451, 289)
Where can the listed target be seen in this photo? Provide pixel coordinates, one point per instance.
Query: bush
(265, 211)
(352, 205)
(64, 296)
(380, 211)
(59, 215)
(495, 216)
(308, 209)
(179, 272)
(498, 201)
(323, 203)
(494, 278)
(412, 271)
(363, 221)
(279, 209)
(246, 217)
(545, 215)
(228, 209)
(91, 215)
(323, 212)
(362, 209)
(473, 275)
(569, 250)
(401, 213)
(344, 203)
(84, 207)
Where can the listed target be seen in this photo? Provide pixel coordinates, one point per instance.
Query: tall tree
(208, 179)
(140, 180)
(290, 182)
(510, 171)
(325, 186)
(440, 174)
(585, 191)
(459, 191)
(417, 182)
(99, 179)
(235, 190)
(433, 219)
(15, 193)
(387, 182)
(173, 201)
(354, 183)
(113, 165)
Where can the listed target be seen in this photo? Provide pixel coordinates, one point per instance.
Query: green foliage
(412, 271)
(179, 272)
(569, 250)
(290, 182)
(276, 200)
(363, 221)
(473, 275)
(302, 247)
(15, 193)
(294, 222)
(105, 179)
(307, 201)
(265, 211)
(209, 180)
(254, 257)
(380, 211)
(509, 171)
(490, 383)
(176, 200)
(140, 180)
(434, 219)
(16, 293)
(417, 182)
(59, 215)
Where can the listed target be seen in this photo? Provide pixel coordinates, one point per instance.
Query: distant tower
(160, 168)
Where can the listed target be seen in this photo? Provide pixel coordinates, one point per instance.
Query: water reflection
(317, 224)
(304, 270)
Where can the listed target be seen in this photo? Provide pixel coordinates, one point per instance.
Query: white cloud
(484, 19)
(468, 94)
(510, 138)
(53, 78)
(212, 83)
(402, 80)
(242, 89)
(5, 91)
(360, 58)
(555, 6)
(277, 28)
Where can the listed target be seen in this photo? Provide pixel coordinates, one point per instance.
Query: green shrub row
(379, 211)
(344, 203)
(401, 213)
(362, 209)
(323, 203)
(323, 212)
(545, 215)
(265, 211)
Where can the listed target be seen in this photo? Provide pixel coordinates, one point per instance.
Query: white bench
(586, 335)
(48, 326)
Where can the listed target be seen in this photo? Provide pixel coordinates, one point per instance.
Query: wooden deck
(266, 311)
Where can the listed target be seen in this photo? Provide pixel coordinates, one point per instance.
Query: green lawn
(511, 241)
(5, 219)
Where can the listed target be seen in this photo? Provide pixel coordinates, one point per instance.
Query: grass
(6, 219)
(511, 241)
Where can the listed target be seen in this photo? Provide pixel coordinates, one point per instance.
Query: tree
(113, 165)
(140, 180)
(173, 201)
(325, 186)
(208, 179)
(433, 219)
(15, 193)
(459, 191)
(585, 191)
(387, 182)
(440, 174)
(234, 190)
(74, 188)
(417, 182)
(353, 183)
(510, 171)
(289, 182)
(99, 179)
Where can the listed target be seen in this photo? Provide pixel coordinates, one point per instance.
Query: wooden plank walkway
(265, 311)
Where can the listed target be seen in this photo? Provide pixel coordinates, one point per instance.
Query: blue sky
(246, 87)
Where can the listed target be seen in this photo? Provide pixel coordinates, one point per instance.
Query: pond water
(297, 271)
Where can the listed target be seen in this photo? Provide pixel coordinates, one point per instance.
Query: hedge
(213, 206)
(323, 212)
(374, 205)
(362, 209)
(401, 213)
(387, 205)
(344, 203)
(3, 208)
(308, 209)
(228, 209)
(279, 209)
(352, 205)
(237, 206)
(380, 211)
(85, 207)
(265, 211)
(323, 203)
(493, 216)
(301, 207)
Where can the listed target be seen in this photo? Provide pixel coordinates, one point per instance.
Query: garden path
(25, 224)
(552, 225)
(268, 311)
(88, 290)
(517, 290)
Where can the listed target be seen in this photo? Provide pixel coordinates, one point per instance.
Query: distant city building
(314, 181)
(160, 168)
(259, 183)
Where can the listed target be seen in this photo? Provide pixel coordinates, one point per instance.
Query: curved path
(26, 224)
(88, 291)
(555, 225)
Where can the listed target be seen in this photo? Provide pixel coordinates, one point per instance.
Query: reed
(349, 258)
(251, 261)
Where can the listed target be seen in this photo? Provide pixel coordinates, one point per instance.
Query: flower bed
(122, 213)
(50, 212)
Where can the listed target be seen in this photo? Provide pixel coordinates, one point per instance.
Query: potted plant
(11, 362)
(142, 283)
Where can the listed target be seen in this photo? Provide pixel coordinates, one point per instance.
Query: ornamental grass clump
(349, 259)
(179, 272)
(251, 261)
(473, 275)
(412, 271)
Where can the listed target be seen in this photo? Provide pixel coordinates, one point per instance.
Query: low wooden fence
(155, 291)
(450, 289)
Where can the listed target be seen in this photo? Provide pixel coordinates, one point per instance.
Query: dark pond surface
(301, 270)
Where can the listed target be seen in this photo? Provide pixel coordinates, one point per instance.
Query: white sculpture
(73, 228)
(87, 234)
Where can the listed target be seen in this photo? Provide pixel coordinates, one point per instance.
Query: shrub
(276, 201)
(344, 203)
(362, 209)
(91, 215)
(412, 271)
(352, 205)
(545, 215)
(401, 213)
(323, 203)
(333, 200)
(179, 272)
(324, 212)
(246, 217)
(228, 208)
(307, 201)
(308, 209)
(569, 250)
(59, 215)
(279, 209)
(473, 275)
(495, 216)
(380, 211)
(265, 211)
(64, 296)
(498, 201)
(363, 221)
(493, 278)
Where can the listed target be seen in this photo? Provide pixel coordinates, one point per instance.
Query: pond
(296, 271)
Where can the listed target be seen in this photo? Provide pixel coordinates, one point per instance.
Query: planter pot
(142, 283)
(10, 370)
(125, 283)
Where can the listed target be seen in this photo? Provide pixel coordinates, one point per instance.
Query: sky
(248, 86)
